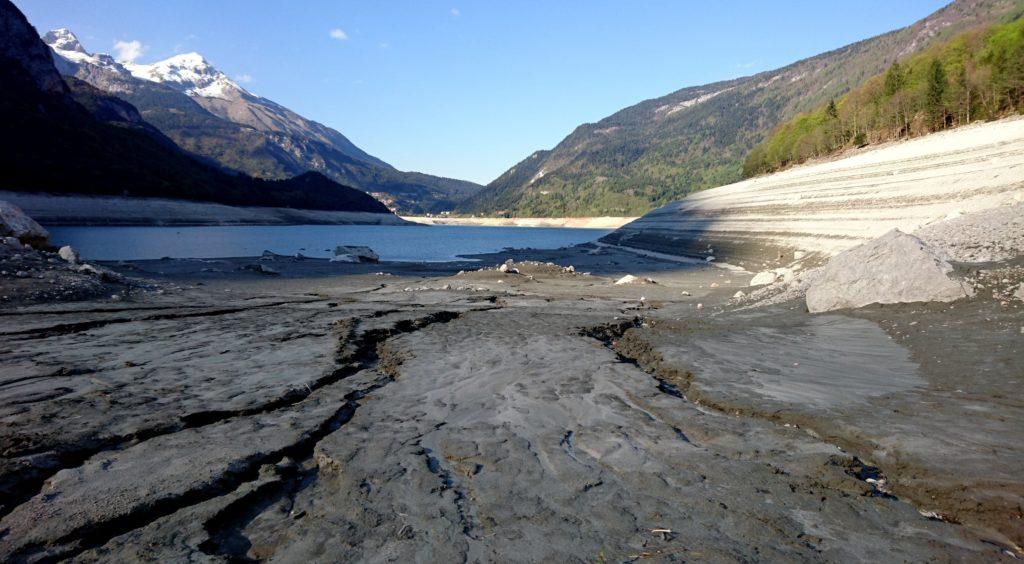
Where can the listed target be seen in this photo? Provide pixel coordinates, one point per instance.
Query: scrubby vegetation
(977, 75)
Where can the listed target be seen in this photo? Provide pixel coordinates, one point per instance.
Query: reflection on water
(400, 243)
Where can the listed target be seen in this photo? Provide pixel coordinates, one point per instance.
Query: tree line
(977, 75)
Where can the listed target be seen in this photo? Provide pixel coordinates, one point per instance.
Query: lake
(398, 243)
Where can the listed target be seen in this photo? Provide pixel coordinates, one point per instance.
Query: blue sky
(467, 89)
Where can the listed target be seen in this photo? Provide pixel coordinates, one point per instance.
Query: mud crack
(21, 486)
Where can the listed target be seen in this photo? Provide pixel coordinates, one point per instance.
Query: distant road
(570, 222)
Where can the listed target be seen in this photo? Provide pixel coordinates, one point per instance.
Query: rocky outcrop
(19, 44)
(14, 223)
(895, 268)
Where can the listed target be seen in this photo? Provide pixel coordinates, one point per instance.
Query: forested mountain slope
(662, 149)
(977, 75)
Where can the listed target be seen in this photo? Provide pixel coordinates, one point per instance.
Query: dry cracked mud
(541, 416)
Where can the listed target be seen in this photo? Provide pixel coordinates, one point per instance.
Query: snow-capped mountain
(201, 109)
(194, 76)
(64, 40)
(73, 56)
(190, 73)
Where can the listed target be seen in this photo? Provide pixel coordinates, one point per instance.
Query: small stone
(763, 278)
(68, 254)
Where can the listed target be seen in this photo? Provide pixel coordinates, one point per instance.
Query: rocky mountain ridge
(209, 114)
(66, 137)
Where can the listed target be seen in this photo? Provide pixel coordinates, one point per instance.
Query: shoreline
(109, 211)
(606, 222)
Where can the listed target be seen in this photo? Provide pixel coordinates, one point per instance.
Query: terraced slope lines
(831, 206)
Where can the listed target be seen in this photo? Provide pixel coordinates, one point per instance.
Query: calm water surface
(401, 243)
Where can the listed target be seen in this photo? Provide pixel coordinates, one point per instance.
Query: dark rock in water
(262, 269)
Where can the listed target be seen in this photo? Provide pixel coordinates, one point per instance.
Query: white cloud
(339, 34)
(244, 78)
(385, 45)
(456, 12)
(128, 50)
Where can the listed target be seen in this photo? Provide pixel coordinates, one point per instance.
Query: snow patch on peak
(64, 40)
(191, 73)
(71, 54)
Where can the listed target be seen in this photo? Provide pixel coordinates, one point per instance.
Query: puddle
(832, 360)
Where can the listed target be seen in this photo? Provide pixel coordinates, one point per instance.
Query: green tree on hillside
(978, 74)
(895, 80)
(935, 95)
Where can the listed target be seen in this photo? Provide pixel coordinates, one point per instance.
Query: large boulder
(894, 268)
(14, 223)
(354, 254)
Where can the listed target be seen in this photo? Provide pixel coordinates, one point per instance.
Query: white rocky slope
(828, 207)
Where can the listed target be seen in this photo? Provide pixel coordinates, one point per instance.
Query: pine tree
(895, 80)
(934, 103)
(831, 110)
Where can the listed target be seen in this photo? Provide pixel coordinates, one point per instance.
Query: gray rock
(894, 268)
(14, 223)
(68, 254)
(360, 254)
(764, 278)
